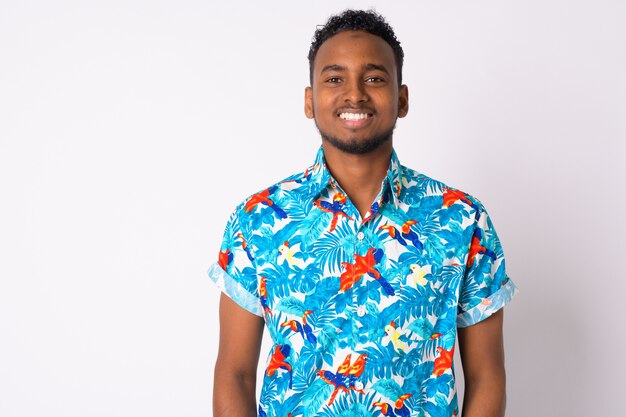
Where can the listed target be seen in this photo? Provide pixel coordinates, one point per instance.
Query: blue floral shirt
(362, 310)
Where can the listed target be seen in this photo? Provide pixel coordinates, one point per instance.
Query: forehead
(356, 48)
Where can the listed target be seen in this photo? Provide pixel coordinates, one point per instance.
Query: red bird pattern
(225, 258)
(346, 376)
(477, 248)
(451, 196)
(335, 208)
(245, 247)
(364, 265)
(353, 326)
(399, 408)
(443, 362)
(303, 328)
(405, 232)
(264, 198)
(263, 296)
(278, 360)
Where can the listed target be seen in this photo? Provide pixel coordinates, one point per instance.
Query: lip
(356, 124)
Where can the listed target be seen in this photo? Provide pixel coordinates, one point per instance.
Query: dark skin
(354, 72)
(234, 386)
(482, 354)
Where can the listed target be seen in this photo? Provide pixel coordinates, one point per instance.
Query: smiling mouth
(354, 116)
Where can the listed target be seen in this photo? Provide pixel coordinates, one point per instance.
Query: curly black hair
(368, 21)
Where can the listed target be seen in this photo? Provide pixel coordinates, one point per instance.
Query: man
(361, 269)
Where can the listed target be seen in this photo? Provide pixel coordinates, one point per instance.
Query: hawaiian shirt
(362, 310)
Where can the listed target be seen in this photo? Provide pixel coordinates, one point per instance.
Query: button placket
(360, 285)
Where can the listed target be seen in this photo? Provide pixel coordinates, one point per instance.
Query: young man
(361, 269)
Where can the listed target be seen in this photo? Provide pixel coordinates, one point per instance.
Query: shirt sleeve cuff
(234, 290)
(488, 306)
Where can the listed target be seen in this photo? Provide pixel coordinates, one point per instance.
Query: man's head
(356, 95)
(367, 21)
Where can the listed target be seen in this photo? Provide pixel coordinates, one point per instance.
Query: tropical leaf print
(331, 249)
(393, 214)
(412, 302)
(389, 388)
(422, 328)
(408, 366)
(303, 377)
(378, 360)
(328, 342)
(452, 215)
(350, 405)
(324, 292)
(291, 305)
(313, 226)
(362, 311)
(315, 396)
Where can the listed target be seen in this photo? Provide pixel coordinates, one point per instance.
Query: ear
(403, 100)
(308, 103)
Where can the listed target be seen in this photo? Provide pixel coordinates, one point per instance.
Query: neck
(360, 176)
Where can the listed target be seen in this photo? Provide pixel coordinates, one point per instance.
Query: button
(358, 385)
(360, 235)
(361, 311)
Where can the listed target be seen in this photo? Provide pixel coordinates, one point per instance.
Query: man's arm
(234, 386)
(482, 354)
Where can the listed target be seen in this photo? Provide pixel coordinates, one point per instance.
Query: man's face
(355, 98)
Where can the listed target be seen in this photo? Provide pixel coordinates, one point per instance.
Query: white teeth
(353, 116)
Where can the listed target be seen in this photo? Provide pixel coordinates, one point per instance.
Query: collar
(320, 177)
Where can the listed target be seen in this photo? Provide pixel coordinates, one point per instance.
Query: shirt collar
(320, 176)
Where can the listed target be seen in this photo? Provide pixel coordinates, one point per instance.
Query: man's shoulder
(417, 186)
(274, 199)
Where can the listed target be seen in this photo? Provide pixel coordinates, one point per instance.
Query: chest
(385, 277)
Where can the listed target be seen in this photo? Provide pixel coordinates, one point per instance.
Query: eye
(333, 80)
(374, 79)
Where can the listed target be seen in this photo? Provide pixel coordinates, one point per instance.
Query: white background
(130, 129)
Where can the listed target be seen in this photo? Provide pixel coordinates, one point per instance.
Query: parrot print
(263, 198)
(362, 310)
(302, 327)
(335, 208)
(363, 265)
(225, 258)
(278, 361)
(345, 377)
(399, 409)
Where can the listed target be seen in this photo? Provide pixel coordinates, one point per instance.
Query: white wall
(130, 129)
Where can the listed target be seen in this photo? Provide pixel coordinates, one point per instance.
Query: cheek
(391, 107)
(323, 105)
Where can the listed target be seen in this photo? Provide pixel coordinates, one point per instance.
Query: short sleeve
(235, 272)
(486, 288)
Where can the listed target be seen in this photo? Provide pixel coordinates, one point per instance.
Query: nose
(355, 92)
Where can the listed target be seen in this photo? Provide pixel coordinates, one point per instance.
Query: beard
(357, 147)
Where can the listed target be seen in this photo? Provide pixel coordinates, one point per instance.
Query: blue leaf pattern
(362, 310)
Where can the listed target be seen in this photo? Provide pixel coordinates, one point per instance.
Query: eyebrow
(372, 67)
(366, 67)
(333, 67)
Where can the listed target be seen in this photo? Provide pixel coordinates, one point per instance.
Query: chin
(357, 146)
